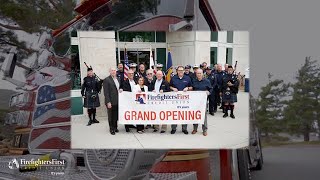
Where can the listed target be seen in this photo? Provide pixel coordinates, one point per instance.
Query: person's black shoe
(116, 130)
(95, 121)
(89, 123)
(221, 107)
(215, 110)
(128, 130)
(173, 131)
(162, 131)
(212, 113)
(185, 131)
(155, 130)
(112, 133)
(225, 115)
(232, 116)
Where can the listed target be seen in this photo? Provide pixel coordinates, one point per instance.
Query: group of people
(221, 86)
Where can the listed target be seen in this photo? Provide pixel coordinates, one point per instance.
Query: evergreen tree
(303, 109)
(269, 106)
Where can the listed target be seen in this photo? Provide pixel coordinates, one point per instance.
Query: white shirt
(137, 88)
(157, 85)
(115, 80)
(132, 84)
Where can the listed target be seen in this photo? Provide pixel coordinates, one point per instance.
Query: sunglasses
(149, 74)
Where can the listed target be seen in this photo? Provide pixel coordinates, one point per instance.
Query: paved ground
(222, 133)
(294, 162)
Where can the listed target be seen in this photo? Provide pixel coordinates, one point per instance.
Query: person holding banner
(128, 85)
(160, 86)
(111, 86)
(201, 84)
(89, 91)
(180, 82)
(140, 87)
(229, 89)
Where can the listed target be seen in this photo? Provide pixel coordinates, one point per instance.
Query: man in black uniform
(219, 73)
(120, 72)
(229, 90)
(133, 67)
(128, 85)
(212, 77)
(89, 91)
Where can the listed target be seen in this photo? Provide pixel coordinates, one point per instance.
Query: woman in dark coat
(89, 91)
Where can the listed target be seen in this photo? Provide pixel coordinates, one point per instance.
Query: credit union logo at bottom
(38, 164)
(140, 98)
(13, 164)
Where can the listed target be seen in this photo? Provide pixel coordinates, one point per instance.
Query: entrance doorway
(138, 56)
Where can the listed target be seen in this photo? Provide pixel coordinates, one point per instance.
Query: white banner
(162, 108)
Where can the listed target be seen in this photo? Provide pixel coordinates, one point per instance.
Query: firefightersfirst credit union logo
(141, 98)
(13, 164)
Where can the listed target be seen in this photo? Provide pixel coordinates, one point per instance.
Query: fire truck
(47, 138)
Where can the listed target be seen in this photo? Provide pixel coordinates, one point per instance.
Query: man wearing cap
(219, 74)
(159, 68)
(229, 90)
(187, 71)
(133, 67)
(89, 91)
(180, 82)
(128, 85)
(212, 77)
(195, 68)
(201, 84)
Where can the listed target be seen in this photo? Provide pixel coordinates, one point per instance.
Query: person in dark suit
(128, 85)
(160, 85)
(111, 86)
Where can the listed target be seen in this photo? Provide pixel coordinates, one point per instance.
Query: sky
(282, 34)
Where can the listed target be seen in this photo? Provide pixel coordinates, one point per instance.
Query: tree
(302, 110)
(269, 106)
(31, 16)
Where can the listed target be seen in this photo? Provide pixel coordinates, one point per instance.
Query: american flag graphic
(48, 93)
(126, 63)
(58, 112)
(50, 138)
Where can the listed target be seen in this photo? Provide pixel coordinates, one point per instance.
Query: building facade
(104, 49)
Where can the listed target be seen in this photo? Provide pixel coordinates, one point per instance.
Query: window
(214, 36)
(229, 36)
(161, 57)
(75, 68)
(137, 36)
(213, 56)
(229, 56)
(161, 36)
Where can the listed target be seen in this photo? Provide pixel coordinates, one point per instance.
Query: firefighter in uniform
(229, 89)
(213, 81)
(219, 73)
(133, 67)
(89, 91)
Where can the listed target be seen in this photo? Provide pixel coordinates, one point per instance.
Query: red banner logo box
(162, 108)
